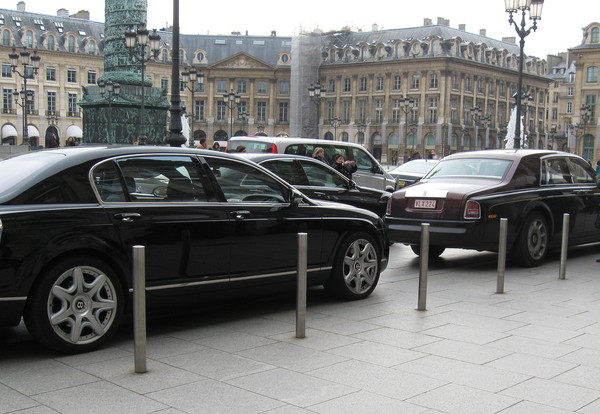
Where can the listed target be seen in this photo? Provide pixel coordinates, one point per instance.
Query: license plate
(424, 203)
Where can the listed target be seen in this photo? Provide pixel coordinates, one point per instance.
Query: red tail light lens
(472, 210)
(389, 207)
(273, 149)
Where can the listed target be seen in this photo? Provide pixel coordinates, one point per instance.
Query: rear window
(471, 168)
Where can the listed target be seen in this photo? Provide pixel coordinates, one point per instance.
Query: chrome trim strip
(211, 282)
(17, 298)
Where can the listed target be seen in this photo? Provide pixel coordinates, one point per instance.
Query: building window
(221, 86)
(51, 102)
(569, 107)
(221, 110)
(92, 47)
(346, 112)
(595, 38)
(397, 82)
(468, 84)
(261, 87)
(72, 104)
(6, 70)
(164, 56)
(71, 75)
(433, 81)
(91, 79)
(71, 44)
(261, 111)
(362, 84)
(571, 77)
(379, 85)
(7, 101)
(502, 89)
(330, 110)
(242, 86)
(592, 74)
(331, 87)
(284, 88)
(455, 81)
(554, 114)
(432, 111)
(396, 111)
(415, 82)
(569, 91)
(414, 114)
(480, 86)
(199, 110)
(378, 111)
(51, 45)
(347, 84)
(29, 39)
(30, 102)
(6, 38)
(283, 112)
(362, 111)
(242, 110)
(164, 83)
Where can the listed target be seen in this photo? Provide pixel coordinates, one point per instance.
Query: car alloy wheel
(532, 244)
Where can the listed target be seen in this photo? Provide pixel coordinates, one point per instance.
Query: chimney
(443, 22)
(510, 39)
(462, 27)
(82, 14)
(62, 13)
(273, 33)
(482, 32)
(427, 22)
(21, 6)
(375, 27)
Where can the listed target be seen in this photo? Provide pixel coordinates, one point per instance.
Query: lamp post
(137, 43)
(362, 127)
(232, 101)
(335, 123)
(535, 13)
(585, 114)
(478, 119)
(407, 105)
(315, 94)
(109, 91)
(192, 76)
(26, 96)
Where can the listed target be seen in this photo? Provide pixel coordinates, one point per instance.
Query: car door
(161, 202)
(368, 172)
(587, 190)
(265, 225)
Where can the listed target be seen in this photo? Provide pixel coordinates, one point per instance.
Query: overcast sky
(559, 29)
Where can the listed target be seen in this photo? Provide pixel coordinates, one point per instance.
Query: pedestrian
(216, 146)
(319, 154)
(202, 143)
(598, 168)
(240, 148)
(54, 143)
(344, 167)
(71, 142)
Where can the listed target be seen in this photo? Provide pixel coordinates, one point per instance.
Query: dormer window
(82, 33)
(39, 23)
(59, 27)
(595, 38)
(17, 21)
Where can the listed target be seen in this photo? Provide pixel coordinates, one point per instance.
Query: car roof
(511, 154)
(260, 157)
(295, 140)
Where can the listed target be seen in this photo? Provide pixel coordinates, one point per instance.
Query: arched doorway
(52, 137)
(240, 133)
(221, 135)
(329, 136)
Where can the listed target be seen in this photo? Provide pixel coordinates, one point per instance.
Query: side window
(319, 175)
(362, 159)
(243, 183)
(150, 179)
(555, 171)
(580, 173)
(288, 170)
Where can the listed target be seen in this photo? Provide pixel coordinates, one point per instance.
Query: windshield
(470, 168)
(250, 146)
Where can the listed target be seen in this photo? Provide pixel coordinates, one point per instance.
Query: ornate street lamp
(193, 77)
(407, 105)
(109, 91)
(138, 42)
(335, 123)
(535, 13)
(315, 93)
(31, 66)
(232, 101)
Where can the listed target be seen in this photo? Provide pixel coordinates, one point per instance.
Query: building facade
(460, 85)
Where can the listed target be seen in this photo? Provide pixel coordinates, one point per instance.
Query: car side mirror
(294, 198)
(351, 185)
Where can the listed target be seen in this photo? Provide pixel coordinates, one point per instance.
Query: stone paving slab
(533, 349)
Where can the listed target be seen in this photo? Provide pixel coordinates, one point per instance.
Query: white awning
(74, 131)
(32, 131)
(8, 131)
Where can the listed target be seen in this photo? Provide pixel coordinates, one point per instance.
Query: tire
(531, 245)
(52, 315)
(434, 251)
(356, 268)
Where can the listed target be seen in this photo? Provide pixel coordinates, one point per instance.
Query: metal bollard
(502, 255)
(564, 246)
(301, 290)
(139, 308)
(424, 267)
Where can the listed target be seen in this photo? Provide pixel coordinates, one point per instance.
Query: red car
(466, 194)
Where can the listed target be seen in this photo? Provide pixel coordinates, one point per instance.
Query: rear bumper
(453, 234)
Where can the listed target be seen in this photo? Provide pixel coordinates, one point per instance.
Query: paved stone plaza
(533, 349)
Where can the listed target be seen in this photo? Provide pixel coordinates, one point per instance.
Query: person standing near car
(598, 168)
(344, 167)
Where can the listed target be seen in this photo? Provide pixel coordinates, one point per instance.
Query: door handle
(239, 214)
(127, 217)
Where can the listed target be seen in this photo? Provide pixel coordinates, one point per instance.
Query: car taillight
(472, 210)
(273, 149)
(389, 207)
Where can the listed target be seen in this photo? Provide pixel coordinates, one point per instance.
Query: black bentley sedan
(318, 180)
(212, 224)
(466, 194)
